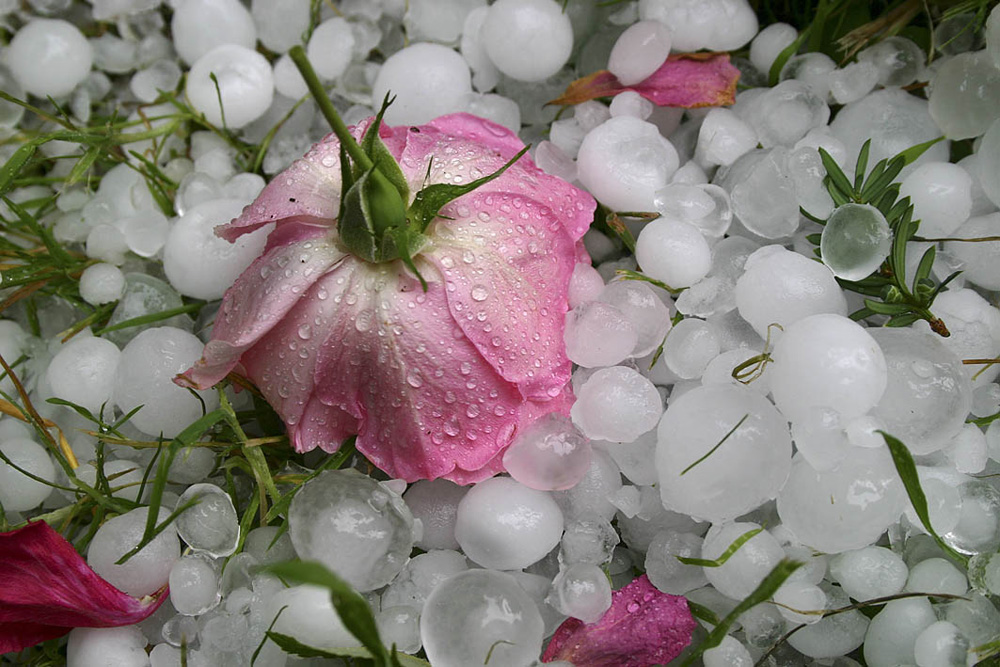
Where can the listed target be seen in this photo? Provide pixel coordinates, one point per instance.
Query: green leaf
(904, 320)
(429, 201)
(875, 186)
(923, 271)
(295, 647)
(814, 238)
(627, 274)
(16, 163)
(775, 72)
(862, 165)
(150, 318)
(838, 179)
(907, 470)
(910, 155)
(84, 163)
(726, 555)
(353, 609)
(56, 251)
(371, 144)
(764, 591)
(882, 308)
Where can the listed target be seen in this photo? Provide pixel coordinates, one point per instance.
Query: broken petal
(643, 627)
(47, 589)
(687, 80)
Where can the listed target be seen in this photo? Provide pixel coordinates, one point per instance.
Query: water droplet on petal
(632, 607)
(305, 332)
(480, 293)
(414, 380)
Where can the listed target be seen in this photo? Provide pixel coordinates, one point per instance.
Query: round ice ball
(331, 48)
(49, 57)
(581, 591)
(598, 334)
(146, 571)
(673, 251)
(198, 26)
(121, 647)
(941, 194)
(848, 507)
(624, 161)
(211, 525)
(245, 84)
(18, 492)
(616, 404)
(528, 40)
(194, 585)
(639, 51)
(870, 572)
(769, 43)
(644, 308)
(893, 633)
(435, 503)
(428, 80)
(965, 95)
(747, 567)
(504, 525)
(480, 615)
(101, 283)
(146, 370)
(549, 455)
(978, 259)
(354, 526)
(928, 395)
(84, 371)
(309, 617)
(781, 287)
(855, 241)
(827, 361)
(200, 264)
(748, 467)
(666, 572)
(717, 25)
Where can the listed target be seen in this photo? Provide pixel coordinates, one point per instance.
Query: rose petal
(688, 80)
(261, 298)
(428, 404)
(47, 589)
(643, 627)
(507, 262)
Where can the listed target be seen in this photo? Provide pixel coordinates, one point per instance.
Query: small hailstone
(49, 57)
(504, 525)
(616, 404)
(101, 283)
(581, 591)
(528, 40)
(639, 51)
(747, 567)
(107, 243)
(899, 61)
(147, 570)
(936, 575)
(799, 602)
(288, 80)
(585, 284)
(198, 26)
(663, 568)
(194, 585)
(485, 73)
(438, 21)
(852, 82)
(501, 110)
(870, 572)
(769, 43)
(435, 504)
(549, 455)
(83, 372)
(428, 80)
(245, 84)
(121, 647)
(147, 83)
(598, 334)
(965, 95)
(18, 492)
(717, 25)
(855, 241)
(308, 616)
(893, 632)
(331, 48)
(724, 137)
(643, 308)
(211, 525)
(280, 23)
(978, 259)
(941, 644)
(673, 251)
(624, 161)
(692, 343)
(631, 103)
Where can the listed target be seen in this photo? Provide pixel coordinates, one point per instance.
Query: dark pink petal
(47, 589)
(464, 148)
(688, 80)
(506, 262)
(309, 189)
(260, 299)
(643, 627)
(427, 403)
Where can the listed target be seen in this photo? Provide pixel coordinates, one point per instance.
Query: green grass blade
(726, 555)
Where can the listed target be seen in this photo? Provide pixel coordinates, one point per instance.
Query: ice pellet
(84, 371)
(899, 61)
(674, 252)
(148, 569)
(479, 614)
(194, 585)
(211, 525)
(121, 647)
(354, 526)
(717, 25)
(198, 26)
(18, 492)
(855, 241)
(245, 85)
(763, 193)
(941, 194)
(308, 616)
(729, 653)
(331, 48)
(666, 572)
(894, 631)
(722, 451)
(504, 525)
(639, 52)
(784, 114)
(428, 80)
(936, 575)
(692, 343)
(978, 259)
(769, 43)
(584, 285)
(581, 591)
(941, 644)
(528, 40)
(549, 455)
(598, 334)
(624, 161)
(974, 326)
(870, 572)
(852, 82)
(146, 370)
(643, 308)
(616, 404)
(280, 23)
(49, 57)
(747, 567)
(435, 503)
(420, 576)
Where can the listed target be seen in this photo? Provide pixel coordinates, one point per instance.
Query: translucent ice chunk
(747, 567)
(666, 572)
(331, 47)
(435, 503)
(855, 241)
(581, 591)
(18, 492)
(280, 23)
(83, 372)
(899, 61)
(194, 585)
(978, 259)
(893, 632)
(143, 295)
(616, 404)
(549, 455)
(674, 252)
(763, 193)
(941, 194)
(420, 576)
(965, 97)
(528, 40)
(354, 526)
(245, 85)
(121, 647)
(717, 25)
(689, 347)
(639, 52)
(198, 26)
(211, 525)
(598, 334)
(643, 308)
(147, 570)
(49, 57)
(428, 80)
(870, 572)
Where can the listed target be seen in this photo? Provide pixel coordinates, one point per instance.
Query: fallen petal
(47, 589)
(643, 627)
(687, 80)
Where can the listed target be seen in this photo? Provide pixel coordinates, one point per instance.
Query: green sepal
(346, 181)
(433, 198)
(404, 243)
(371, 207)
(357, 232)
(371, 144)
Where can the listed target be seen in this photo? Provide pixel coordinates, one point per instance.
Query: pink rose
(434, 383)
(47, 589)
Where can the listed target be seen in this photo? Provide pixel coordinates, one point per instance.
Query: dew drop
(632, 607)
(305, 332)
(414, 380)
(472, 411)
(480, 293)
(451, 428)
(465, 368)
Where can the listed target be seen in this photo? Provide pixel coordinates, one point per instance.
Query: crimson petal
(643, 627)
(47, 589)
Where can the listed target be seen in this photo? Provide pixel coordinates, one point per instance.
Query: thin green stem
(298, 56)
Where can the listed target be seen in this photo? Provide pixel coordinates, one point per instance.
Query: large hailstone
(49, 57)
(245, 85)
(528, 40)
(427, 80)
